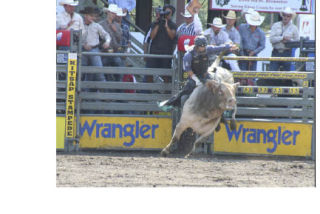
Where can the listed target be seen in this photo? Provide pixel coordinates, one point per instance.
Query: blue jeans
(93, 61)
(112, 61)
(275, 65)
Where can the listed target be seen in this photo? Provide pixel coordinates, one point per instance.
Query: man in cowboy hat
(233, 33)
(68, 19)
(126, 5)
(95, 4)
(282, 32)
(192, 25)
(195, 64)
(253, 39)
(219, 37)
(90, 41)
(113, 28)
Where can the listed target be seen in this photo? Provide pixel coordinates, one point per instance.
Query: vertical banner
(71, 91)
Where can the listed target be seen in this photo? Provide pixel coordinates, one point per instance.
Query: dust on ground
(148, 169)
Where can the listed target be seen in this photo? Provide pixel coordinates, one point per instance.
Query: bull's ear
(212, 84)
(236, 85)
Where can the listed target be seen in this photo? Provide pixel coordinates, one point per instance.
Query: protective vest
(199, 63)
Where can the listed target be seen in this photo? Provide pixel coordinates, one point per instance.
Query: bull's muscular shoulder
(203, 101)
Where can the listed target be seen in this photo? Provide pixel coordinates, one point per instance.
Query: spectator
(252, 39)
(113, 28)
(125, 43)
(219, 37)
(147, 39)
(68, 19)
(127, 6)
(59, 8)
(195, 63)
(192, 25)
(95, 4)
(90, 42)
(282, 32)
(163, 36)
(233, 33)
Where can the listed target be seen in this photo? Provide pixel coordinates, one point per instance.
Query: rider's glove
(196, 79)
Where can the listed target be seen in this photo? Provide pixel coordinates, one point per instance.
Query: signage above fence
(271, 6)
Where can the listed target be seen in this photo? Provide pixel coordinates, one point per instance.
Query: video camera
(163, 15)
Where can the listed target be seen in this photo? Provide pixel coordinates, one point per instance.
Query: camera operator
(163, 36)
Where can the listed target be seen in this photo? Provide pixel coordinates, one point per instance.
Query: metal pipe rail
(127, 55)
(273, 74)
(286, 59)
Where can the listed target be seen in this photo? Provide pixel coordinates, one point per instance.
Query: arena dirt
(148, 169)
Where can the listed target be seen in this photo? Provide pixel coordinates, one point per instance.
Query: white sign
(299, 6)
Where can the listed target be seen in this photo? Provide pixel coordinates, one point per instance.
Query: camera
(163, 15)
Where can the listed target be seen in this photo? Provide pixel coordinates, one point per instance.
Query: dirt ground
(148, 169)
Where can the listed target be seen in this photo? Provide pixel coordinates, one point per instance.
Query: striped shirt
(192, 29)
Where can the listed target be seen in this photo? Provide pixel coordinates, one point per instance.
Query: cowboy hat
(120, 12)
(69, 2)
(90, 10)
(113, 8)
(186, 14)
(288, 10)
(231, 15)
(254, 18)
(217, 22)
(246, 11)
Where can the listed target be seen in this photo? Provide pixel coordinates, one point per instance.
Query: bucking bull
(204, 108)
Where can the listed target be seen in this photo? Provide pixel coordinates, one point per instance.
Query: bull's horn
(218, 59)
(236, 85)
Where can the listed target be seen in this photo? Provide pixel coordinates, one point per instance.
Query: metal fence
(272, 103)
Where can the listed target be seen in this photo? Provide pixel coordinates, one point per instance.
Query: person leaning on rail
(253, 41)
(195, 63)
(114, 29)
(282, 32)
(218, 37)
(90, 42)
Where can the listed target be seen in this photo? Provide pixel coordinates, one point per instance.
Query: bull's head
(225, 92)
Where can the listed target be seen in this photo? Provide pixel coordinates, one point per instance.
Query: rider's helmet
(200, 41)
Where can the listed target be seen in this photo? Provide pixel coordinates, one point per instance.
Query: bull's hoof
(164, 153)
(218, 127)
(233, 125)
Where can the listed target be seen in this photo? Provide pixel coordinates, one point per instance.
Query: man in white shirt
(68, 19)
(218, 37)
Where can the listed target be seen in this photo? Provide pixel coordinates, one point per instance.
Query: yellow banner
(60, 130)
(125, 132)
(71, 91)
(265, 138)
